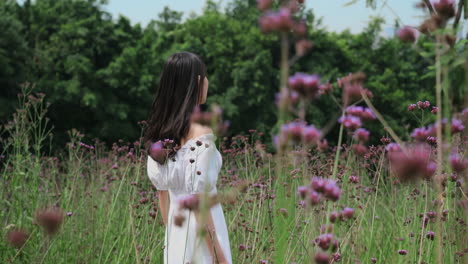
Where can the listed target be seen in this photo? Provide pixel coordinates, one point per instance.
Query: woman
(191, 168)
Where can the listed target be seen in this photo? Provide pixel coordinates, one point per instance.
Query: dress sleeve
(157, 174)
(202, 167)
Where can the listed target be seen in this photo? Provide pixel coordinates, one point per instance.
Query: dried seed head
(50, 219)
(17, 237)
(179, 220)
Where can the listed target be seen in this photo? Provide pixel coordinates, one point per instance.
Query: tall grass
(113, 215)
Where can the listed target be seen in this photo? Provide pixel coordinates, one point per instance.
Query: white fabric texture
(180, 178)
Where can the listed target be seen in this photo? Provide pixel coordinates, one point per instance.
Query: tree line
(100, 72)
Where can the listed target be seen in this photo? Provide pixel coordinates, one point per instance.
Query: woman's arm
(212, 239)
(164, 204)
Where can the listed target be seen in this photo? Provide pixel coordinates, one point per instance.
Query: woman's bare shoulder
(199, 130)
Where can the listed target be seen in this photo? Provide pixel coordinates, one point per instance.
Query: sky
(336, 16)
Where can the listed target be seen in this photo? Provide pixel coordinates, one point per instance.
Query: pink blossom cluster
(445, 8)
(458, 163)
(364, 113)
(352, 86)
(157, 151)
(421, 105)
(412, 164)
(350, 122)
(361, 135)
(308, 85)
(392, 147)
(408, 34)
(189, 202)
(324, 241)
(86, 146)
(359, 149)
(297, 132)
(423, 133)
(282, 20)
(319, 188)
(346, 213)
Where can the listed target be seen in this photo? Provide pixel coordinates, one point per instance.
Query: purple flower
(190, 202)
(324, 240)
(392, 147)
(347, 212)
(157, 151)
(385, 140)
(423, 105)
(314, 198)
(276, 21)
(458, 163)
(457, 126)
(361, 112)
(361, 134)
(350, 122)
(334, 216)
(336, 256)
(408, 34)
(354, 110)
(411, 107)
(420, 134)
(434, 110)
(306, 85)
(242, 247)
(431, 141)
(300, 28)
(311, 135)
(332, 191)
(412, 165)
(353, 179)
(368, 114)
(317, 184)
(293, 130)
(402, 251)
(445, 8)
(359, 149)
(302, 191)
(430, 235)
(322, 145)
(322, 258)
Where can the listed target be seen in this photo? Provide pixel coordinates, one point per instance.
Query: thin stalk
(422, 226)
(382, 120)
(439, 143)
(279, 228)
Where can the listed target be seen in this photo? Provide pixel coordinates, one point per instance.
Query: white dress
(180, 178)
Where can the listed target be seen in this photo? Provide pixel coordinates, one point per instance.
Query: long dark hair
(177, 96)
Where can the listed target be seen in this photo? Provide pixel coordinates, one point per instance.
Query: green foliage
(100, 73)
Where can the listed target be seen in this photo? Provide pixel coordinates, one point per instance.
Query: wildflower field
(401, 199)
